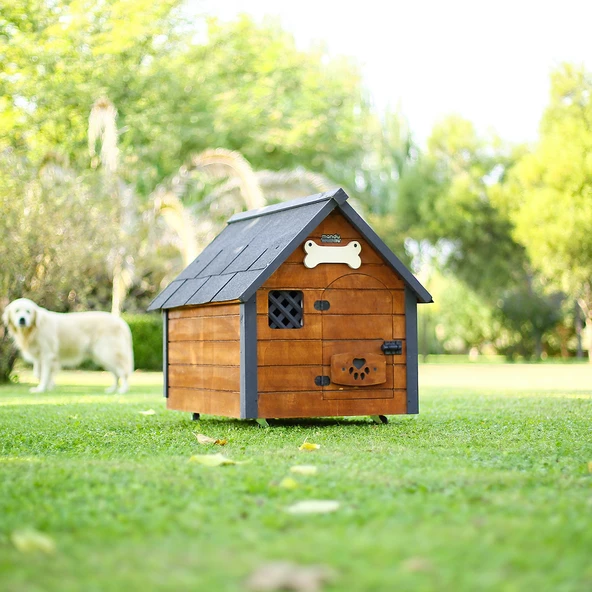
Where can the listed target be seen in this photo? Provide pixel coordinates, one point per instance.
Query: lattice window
(285, 309)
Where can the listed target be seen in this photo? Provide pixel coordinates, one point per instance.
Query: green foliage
(55, 234)
(485, 489)
(147, 339)
(462, 318)
(446, 205)
(551, 196)
(8, 355)
(528, 315)
(180, 86)
(389, 164)
(449, 203)
(61, 56)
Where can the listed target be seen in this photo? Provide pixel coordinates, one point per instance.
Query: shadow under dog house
(294, 310)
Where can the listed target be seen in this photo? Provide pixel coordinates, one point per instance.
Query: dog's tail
(131, 348)
(129, 342)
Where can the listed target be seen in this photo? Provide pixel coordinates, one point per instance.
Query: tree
(390, 162)
(551, 194)
(450, 199)
(458, 213)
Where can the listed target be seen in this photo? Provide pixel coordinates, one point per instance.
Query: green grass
(487, 489)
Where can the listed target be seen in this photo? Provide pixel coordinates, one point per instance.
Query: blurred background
(131, 130)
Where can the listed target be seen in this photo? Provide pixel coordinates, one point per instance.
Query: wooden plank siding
(204, 359)
(367, 307)
(312, 404)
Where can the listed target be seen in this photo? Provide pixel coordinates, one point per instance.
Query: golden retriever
(50, 340)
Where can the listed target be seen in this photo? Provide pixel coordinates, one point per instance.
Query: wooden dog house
(294, 310)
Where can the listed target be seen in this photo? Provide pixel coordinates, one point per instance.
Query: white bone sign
(317, 254)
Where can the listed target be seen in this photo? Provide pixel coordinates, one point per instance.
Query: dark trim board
(249, 397)
(412, 350)
(165, 351)
(420, 293)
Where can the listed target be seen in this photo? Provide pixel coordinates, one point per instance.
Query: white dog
(50, 340)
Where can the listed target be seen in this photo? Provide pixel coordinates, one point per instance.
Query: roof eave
(376, 242)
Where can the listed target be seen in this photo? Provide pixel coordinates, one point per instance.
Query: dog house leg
(195, 416)
(379, 418)
(262, 423)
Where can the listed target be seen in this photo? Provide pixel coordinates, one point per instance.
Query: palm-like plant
(226, 183)
(102, 128)
(194, 203)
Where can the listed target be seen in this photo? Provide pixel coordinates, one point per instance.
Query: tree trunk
(589, 337)
(585, 304)
(578, 315)
(538, 346)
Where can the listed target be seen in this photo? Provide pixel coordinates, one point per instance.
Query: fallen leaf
(148, 412)
(284, 575)
(207, 440)
(289, 483)
(313, 507)
(304, 469)
(214, 460)
(30, 541)
(309, 446)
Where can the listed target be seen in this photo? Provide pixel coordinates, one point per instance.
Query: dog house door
(357, 319)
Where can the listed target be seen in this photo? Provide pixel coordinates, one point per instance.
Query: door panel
(358, 320)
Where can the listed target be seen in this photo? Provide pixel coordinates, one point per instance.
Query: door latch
(322, 380)
(392, 348)
(322, 305)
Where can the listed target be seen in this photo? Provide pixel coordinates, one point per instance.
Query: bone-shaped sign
(317, 254)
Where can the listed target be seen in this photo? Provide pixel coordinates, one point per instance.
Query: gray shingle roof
(255, 243)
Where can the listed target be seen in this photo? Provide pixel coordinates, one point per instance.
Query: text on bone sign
(317, 254)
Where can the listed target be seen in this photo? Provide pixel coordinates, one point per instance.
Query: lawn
(489, 488)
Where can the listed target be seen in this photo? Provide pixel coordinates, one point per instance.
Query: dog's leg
(113, 387)
(56, 367)
(45, 375)
(37, 369)
(123, 384)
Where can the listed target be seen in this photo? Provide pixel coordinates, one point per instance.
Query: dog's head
(20, 315)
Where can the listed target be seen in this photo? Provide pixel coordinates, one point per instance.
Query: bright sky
(488, 61)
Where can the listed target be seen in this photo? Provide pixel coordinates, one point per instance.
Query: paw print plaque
(358, 369)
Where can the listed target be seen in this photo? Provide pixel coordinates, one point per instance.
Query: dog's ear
(7, 320)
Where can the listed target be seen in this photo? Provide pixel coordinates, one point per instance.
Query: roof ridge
(338, 194)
